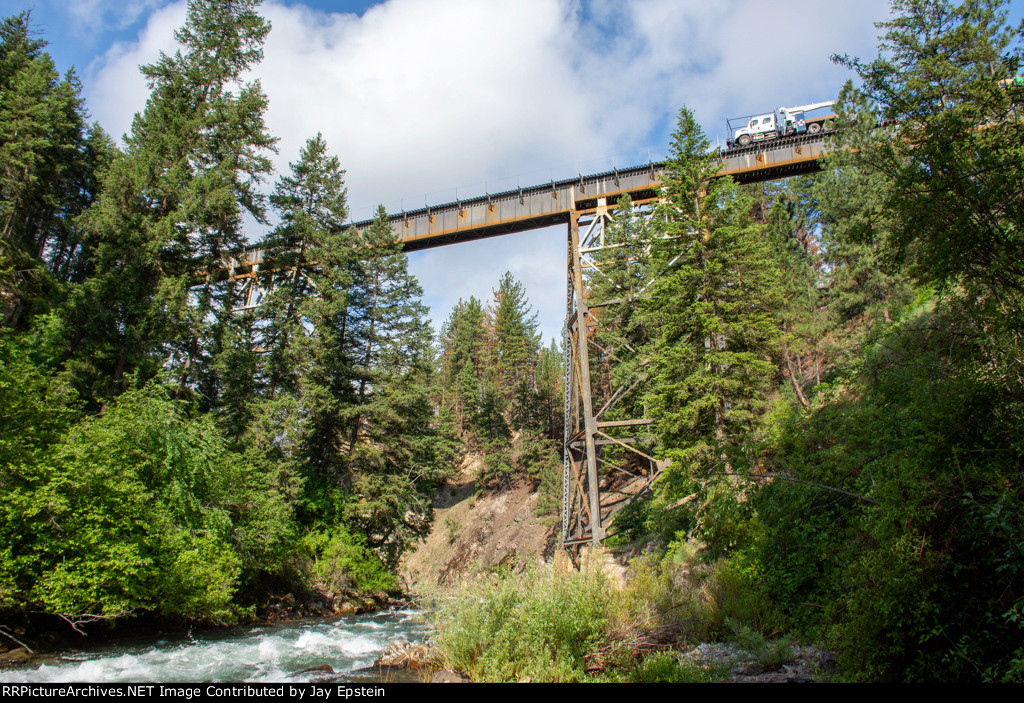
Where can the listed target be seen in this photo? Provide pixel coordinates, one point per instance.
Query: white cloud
(93, 15)
(115, 88)
(421, 97)
(424, 97)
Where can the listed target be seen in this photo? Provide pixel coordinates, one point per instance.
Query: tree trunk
(796, 385)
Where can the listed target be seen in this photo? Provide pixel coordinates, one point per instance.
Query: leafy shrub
(905, 537)
(143, 509)
(341, 561)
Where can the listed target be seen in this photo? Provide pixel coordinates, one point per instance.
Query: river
(265, 653)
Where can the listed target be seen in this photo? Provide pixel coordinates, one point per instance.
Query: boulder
(447, 676)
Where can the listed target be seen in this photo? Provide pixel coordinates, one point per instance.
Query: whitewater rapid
(268, 653)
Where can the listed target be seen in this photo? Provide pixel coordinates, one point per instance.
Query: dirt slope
(474, 533)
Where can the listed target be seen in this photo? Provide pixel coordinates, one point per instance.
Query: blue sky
(426, 99)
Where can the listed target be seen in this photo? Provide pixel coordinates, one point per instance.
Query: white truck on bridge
(783, 122)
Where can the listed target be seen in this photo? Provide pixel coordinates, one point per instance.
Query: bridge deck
(551, 203)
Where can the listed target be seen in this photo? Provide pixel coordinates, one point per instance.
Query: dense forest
(170, 449)
(833, 365)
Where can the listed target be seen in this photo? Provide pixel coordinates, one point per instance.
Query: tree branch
(3, 631)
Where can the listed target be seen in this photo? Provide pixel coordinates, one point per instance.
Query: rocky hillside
(476, 531)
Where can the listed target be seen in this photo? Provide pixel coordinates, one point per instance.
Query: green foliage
(668, 667)
(548, 406)
(713, 308)
(311, 203)
(516, 342)
(875, 501)
(527, 456)
(633, 522)
(548, 471)
(503, 390)
(914, 560)
(550, 626)
(217, 435)
(889, 504)
(948, 178)
(37, 410)
(37, 407)
(541, 625)
(142, 509)
(833, 367)
(735, 601)
(169, 208)
(937, 74)
(342, 562)
(349, 365)
(396, 451)
(769, 654)
(452, 528)
(463, 360)
(49, 161)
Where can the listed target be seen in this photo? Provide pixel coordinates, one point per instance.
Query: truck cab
(760, 127)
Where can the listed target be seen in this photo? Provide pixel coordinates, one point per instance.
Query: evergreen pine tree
(946, 175)
(464, 361)
(326, 362)
(550, 400)
(172, 206)
(713, 308)
(516, 342)
(791, 226)
(392, 452)
(311, 202)
(48, 162)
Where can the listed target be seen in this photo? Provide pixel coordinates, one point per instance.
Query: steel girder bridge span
(584, 204)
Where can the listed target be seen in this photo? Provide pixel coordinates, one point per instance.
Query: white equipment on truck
(783, 122)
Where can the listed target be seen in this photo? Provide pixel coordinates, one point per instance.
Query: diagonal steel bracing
(586, 508)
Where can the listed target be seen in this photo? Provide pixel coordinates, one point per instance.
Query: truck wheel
(814, 127)
(744, 140)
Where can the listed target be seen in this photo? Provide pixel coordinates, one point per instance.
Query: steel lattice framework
(586, 507)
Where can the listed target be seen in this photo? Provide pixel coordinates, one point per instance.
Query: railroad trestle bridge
(583, 204)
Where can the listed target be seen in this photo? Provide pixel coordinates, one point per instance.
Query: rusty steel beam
(586, 402)
(553, 203)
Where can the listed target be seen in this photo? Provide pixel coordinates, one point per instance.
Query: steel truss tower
(586, 510)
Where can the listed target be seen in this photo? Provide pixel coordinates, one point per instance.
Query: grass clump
(548, 625)
(668, 667)
(540, 624)
(769, 654)
(738, 602)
